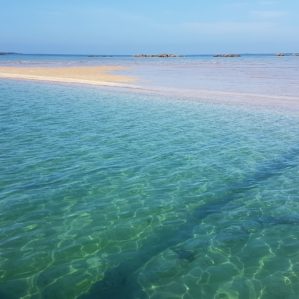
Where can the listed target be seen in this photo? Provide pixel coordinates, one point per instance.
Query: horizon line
(149, 53)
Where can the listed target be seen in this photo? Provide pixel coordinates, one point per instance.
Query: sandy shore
(95, 75)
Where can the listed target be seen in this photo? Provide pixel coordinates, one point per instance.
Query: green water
(115, 195)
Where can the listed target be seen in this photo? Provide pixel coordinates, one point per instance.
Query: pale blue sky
(135, 26)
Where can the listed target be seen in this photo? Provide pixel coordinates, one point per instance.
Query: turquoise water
(107, 194)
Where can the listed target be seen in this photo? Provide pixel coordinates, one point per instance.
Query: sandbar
(95, 75)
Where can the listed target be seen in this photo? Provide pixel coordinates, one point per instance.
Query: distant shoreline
(149, 55)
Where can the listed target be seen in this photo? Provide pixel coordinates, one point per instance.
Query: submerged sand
(95, 75)
(108, 76)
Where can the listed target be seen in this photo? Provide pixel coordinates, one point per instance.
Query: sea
(108, 193)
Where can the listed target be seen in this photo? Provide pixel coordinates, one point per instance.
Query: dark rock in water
(156, 55)
(183, 254)
(227, 55)
(122, 281)
(285, 54)
(280, 54)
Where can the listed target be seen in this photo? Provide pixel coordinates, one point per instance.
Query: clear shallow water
(116, 195)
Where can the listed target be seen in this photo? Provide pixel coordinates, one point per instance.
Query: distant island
(156, 55)
(287, 54)
(227, 55)
(99, 55)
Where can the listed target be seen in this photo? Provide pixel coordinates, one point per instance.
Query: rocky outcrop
(287, 54)
(227, 55)
(156, 55)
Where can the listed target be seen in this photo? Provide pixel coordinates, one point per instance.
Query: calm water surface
(116, 195)
(263, 74)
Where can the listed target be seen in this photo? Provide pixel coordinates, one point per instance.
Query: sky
(143, 26)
